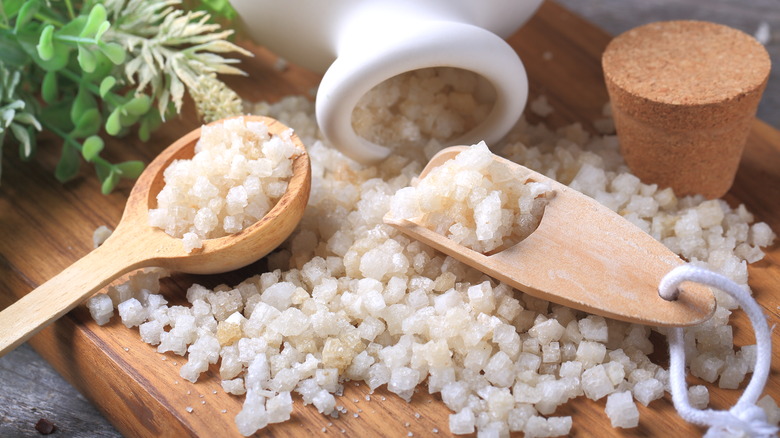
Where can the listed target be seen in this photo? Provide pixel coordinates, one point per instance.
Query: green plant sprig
(17, 113)
(82, 70)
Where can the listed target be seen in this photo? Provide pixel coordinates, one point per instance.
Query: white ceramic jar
(359, 44)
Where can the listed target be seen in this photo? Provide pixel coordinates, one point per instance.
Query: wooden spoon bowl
(135, 244)
(225, 253)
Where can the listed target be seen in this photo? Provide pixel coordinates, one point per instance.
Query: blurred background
(27, 397)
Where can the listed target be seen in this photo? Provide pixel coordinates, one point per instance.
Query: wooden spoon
(582, 255)
(135, 244)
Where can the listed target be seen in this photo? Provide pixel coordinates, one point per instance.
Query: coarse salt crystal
(621, 410)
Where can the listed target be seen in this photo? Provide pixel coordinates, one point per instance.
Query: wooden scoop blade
(582, 255)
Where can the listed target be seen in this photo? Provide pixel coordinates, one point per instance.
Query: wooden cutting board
(45, 226)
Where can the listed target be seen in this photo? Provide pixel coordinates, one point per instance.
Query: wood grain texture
(45, 227)
(18, 419)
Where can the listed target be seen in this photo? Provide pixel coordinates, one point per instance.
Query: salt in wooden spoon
(135, 244)
(583, 255)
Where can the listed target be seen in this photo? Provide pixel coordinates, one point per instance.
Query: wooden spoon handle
(53, 299)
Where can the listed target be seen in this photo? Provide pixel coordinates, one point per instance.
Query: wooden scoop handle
(54, 298)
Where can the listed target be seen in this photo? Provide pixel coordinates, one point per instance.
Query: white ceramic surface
(360, 43)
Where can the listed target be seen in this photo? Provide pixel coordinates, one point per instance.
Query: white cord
(745, 418)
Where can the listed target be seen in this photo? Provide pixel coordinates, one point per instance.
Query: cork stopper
(684, 95)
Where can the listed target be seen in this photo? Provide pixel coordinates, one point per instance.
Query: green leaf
(11, 7)
(73, 27)
(59, 60)
(127, 119)
(102, 29)
(103, 68)
(26, 143)
(220, 7)
(46, 43)
(102, 171)
(139, 105)
(113, 51)
(91, 147)
(26, 13)
(144, 131)
(86, 59)
(68, 166)
(113, 123)
(49, 87)
(130, 169)
(28, 38)
(97, 16)
(106, 85)
(58, 115)
(110, 182)
(13, 54)
(88, 124)
(83, 102)
(149, 123)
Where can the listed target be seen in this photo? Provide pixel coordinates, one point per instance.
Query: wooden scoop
(135, 244)
(582, 255)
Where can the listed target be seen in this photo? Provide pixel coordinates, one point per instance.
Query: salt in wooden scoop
(583, 255)
(135, 244)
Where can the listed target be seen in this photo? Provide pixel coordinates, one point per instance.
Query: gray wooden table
(31, 389)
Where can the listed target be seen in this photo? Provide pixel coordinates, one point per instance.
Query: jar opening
(424, 109)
